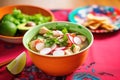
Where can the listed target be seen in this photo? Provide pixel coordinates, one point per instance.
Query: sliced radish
(45, 51)
(39, 46)
(58, 53)
(33, 43)
(77, 40)
(57, 33)
(60, 48)
(70, 37)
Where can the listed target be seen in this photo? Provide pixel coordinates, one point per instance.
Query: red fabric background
(102, 62)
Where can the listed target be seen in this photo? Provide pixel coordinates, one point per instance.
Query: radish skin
(60, 48)
(70, 38)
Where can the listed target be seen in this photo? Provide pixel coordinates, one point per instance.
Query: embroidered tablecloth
(103, 61)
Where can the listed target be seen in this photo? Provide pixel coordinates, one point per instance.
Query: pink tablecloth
(103, 61)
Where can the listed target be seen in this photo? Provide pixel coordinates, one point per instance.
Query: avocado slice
(22, 28)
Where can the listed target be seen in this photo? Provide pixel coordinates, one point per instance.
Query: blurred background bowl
(16, 40)
(58, 65)
(26, 9)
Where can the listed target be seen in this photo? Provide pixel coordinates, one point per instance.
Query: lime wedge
(18, 64)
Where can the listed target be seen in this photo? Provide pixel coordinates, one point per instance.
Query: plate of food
(97, 18)
(15, 20)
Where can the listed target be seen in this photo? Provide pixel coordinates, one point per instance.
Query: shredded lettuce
(50, 41)
(17, 17)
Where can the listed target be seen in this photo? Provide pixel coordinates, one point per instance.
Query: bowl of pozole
(58, 48)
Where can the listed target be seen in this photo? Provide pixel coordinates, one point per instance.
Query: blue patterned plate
(79, 15)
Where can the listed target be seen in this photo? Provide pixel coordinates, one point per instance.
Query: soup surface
(58, 42)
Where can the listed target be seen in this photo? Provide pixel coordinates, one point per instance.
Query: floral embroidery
(84, 76)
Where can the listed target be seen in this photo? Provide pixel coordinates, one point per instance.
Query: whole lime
(8, 28)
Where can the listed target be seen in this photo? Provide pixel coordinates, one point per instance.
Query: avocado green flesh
(23, 27)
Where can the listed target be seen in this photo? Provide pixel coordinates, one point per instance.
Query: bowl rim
(11, 37)
(33, 52)
(28, 5)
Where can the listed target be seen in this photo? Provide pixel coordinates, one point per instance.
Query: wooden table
(61, 4)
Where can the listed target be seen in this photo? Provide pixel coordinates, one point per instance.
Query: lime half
(18, 64)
